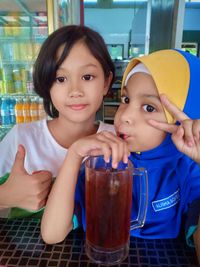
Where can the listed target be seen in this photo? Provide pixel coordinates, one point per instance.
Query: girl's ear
(107, 83)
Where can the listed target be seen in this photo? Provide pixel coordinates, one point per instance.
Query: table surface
(21, 245)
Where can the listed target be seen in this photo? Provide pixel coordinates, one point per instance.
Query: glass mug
(108, 208)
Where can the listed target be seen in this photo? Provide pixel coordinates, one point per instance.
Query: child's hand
(185, 136)
(104, 143)
(24, 190)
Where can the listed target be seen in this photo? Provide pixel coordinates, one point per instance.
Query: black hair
(47, 63)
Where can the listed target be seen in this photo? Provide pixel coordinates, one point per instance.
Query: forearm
(196, 237)
(57, 218)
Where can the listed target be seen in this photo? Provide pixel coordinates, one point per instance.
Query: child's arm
(196, 237)
(185, 136)
(57, 218)
(23, 190)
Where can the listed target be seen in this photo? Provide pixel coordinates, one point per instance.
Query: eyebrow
(143, 95)
(82, 66)
(151, 96)
(90, 65)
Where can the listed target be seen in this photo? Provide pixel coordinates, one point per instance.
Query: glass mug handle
(142, 175)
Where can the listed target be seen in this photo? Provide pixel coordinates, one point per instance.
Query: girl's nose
(75, 90)
(127, 115)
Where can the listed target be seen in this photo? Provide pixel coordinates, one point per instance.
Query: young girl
(174, 178)
(72, 74)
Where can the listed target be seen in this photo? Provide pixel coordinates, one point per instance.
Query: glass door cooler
(23, 28)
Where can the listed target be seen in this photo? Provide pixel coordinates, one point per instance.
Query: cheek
(117, 117)
(160, 116)
(56, 96)
(154, 137)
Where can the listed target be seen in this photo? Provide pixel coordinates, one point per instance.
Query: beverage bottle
(41, 111)
(12, 111)
(8, 30)
(29, 47)
(34, 109)
(8, 79)
(26, 110)
(23, 51)
(16, 53)
(29, 82)
(0, 112)
(17, 79)
(23, 79)
(5, 114)
(1, 82)
(19, 111)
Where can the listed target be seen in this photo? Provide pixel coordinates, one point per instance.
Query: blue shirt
(174, 184)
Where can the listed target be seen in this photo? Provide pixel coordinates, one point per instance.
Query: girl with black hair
(72, 74)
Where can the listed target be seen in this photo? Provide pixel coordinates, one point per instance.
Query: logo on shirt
(167, 202)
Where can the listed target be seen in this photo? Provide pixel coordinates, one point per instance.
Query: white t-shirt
(42, 150)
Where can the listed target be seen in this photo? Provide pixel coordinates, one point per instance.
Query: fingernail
(190, 143)
(106, 160)
(114, 165)
(36, 172)
(126, 160)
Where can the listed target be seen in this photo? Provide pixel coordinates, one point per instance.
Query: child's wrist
(72, 153)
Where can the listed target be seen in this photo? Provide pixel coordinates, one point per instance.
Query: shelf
(107, 103)
(18, 39)
(116, 86)
(18, 95)
(18, 62)
(109, 118)
(6, 127)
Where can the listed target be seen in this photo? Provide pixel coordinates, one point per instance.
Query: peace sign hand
(185, 136)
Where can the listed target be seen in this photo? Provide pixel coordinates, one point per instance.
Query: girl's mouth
(78, 107)
(123, 136)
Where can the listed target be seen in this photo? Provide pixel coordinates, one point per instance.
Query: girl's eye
(124, 99)
(149, 108)
(88, 77)
(60, 79)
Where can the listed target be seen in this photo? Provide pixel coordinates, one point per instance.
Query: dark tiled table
(21, 245)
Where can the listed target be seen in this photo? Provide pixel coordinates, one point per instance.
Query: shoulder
(20, 132)
(106, 127)
(31, 128)
(186, 163)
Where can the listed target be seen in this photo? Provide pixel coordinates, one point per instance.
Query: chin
(140, 148)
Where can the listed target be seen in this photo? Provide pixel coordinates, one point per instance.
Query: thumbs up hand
(23, 190)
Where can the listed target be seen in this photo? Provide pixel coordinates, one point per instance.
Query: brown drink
(108, 209)
(108, 202)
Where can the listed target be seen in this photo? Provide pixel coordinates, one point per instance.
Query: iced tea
(108, 201)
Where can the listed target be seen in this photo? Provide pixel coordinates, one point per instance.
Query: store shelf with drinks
(19, 109)
(21, 35)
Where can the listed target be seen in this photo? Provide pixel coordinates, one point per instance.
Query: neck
(66, 133)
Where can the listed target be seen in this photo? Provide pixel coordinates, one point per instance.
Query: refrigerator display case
(23, 28)
(24, 25)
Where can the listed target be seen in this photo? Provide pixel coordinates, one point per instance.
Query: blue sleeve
(194, 183)
(77, 216)
(192, 221)
(191, 195)
(79, 209)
